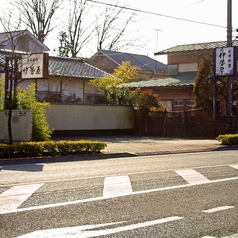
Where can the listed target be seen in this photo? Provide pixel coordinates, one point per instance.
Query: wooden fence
(184, 124)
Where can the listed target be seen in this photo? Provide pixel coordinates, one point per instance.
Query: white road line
(232, 236)
(117, 186)
(86, 231)
(234, 166)
(15, 196)
(192, 176)
(102, 198)
(208, 237)
(218, 209)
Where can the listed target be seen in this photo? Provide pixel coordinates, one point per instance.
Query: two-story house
(67, 79)
(176, 89)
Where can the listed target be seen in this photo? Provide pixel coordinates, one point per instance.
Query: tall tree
(11, 68)
(38, 15)
(79, 31)
(203, 86)
(111, 30)
(64, 47)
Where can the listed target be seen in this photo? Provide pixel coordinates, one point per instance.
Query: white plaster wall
(90, 117)
(21, 125)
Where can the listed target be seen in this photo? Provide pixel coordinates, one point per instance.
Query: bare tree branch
(79, 33)
(37, 15)
(111, 31)
(11, 67)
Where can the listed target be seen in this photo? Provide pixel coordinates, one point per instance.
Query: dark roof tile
(76, 68)
(185, 79)
(144, 62)
(67, 67)
(194, 47)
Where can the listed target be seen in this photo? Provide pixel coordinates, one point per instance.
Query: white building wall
(75, 88)
(90, 117)
(21, 125)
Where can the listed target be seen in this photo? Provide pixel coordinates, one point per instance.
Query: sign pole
(229, 43)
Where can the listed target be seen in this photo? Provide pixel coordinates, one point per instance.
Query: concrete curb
(99, 156)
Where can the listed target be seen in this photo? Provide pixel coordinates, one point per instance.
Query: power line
(157, 14)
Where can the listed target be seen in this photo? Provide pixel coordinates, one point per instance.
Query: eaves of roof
(73, 68)
(194, 47)
(185, 79)
(66, 67)
(7, 36)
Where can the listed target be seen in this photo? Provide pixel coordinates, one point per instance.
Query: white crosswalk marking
(192, 176)
(15, 196)
(208, 237)
(234, 166)
(116, 186)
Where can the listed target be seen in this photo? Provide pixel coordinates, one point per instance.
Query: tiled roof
(194, 47)
(76, 68)
(67, 67)
(144, 62)
(185, 79)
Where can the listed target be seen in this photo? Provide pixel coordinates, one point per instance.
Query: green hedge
(50, 148)
(228, 139)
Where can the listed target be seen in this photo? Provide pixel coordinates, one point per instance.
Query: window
(178, 102)
(190, 102)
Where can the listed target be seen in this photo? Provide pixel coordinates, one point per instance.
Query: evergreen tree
(1, 93)
(26, 99)
(203, 86)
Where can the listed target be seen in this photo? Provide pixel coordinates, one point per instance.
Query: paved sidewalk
(154, 145)
(127, 146)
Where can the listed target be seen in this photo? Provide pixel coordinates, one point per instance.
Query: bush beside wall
(50, 148)
(228, 139)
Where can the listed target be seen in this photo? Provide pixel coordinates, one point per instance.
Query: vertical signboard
(35, 66)
(225, 61)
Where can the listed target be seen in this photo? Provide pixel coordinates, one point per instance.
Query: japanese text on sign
(32, 66)
(225, 61)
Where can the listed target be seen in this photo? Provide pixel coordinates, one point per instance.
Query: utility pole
(229, 43)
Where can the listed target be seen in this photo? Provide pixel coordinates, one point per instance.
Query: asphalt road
(182, 195)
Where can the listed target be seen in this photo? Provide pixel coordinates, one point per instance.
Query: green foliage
(203, 86)
(147, 100)
(26, 99)
(64, 47)
(228, 139)
(109, 84)
(125, 72)
(118, 93)
(1, 93)
(50, 148)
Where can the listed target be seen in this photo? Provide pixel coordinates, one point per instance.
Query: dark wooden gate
(184, 124)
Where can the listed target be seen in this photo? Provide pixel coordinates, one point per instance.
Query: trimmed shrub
(228, 139)
(50, 148)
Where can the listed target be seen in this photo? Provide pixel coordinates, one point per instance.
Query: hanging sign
(225, 61)
(35, 66)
